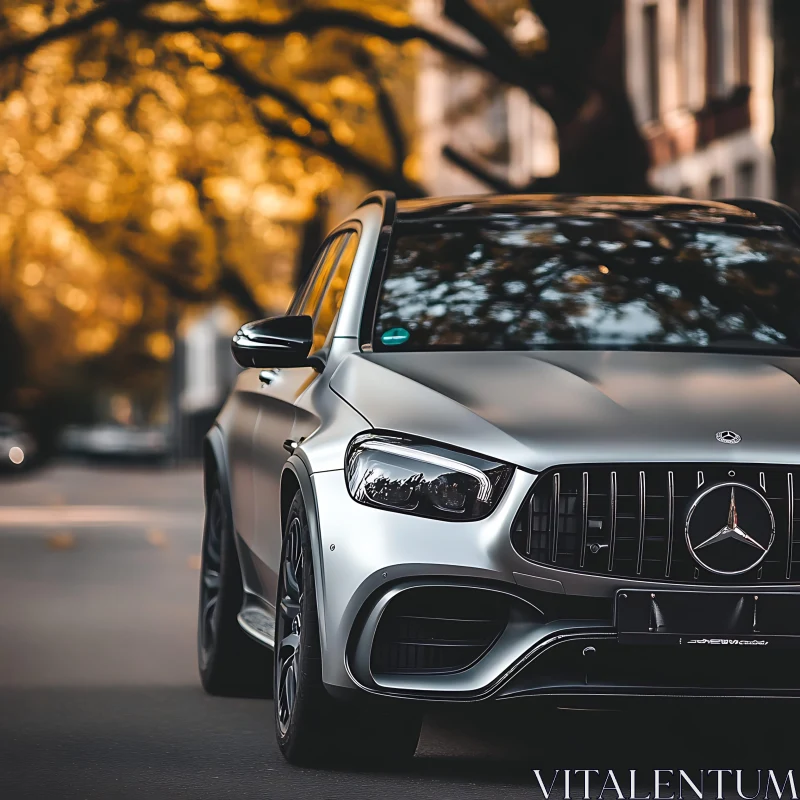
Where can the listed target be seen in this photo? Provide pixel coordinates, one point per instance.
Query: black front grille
(629, 521)
(429, 630)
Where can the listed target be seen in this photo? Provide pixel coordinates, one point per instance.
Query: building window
(684, 50)
(746, 179)
(651, 61)
(716, 186)
(741, 42)
(715, 48)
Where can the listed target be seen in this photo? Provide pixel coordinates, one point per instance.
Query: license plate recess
(742, 619)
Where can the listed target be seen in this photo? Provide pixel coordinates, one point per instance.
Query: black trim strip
(388, 201)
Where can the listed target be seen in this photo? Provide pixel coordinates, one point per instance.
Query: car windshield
(603, 282)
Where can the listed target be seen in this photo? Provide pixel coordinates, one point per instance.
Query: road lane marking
(71, 516)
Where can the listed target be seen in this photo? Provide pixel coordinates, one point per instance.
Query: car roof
(550, 205)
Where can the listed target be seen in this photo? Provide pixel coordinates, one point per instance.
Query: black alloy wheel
(230, 662)
(311, 727)
(289, 626)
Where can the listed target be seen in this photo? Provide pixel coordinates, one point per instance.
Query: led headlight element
(425, 479)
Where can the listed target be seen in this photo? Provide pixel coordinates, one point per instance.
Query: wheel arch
(215, 463)
(295, 476)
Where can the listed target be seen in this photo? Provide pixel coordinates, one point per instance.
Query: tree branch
(533, 74)
(500, 59)
(256, 87)
(114, 9)
(321, 139)
(386, 108)
(346, 158)
(307, 20)
(230, 283)
(477, 171)
(466, 16)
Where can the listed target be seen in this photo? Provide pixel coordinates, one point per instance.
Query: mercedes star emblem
(743, 540)
(731, 530)
(728, 437)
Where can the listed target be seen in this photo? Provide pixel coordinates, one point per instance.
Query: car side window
(305, 286)
(334, 292)
(319, 280)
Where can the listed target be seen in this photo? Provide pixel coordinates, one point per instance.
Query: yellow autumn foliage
(135, 174)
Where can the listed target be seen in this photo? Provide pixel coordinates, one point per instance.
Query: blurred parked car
(111, 440)
(17, 445)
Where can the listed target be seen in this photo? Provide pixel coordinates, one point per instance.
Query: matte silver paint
(542, 409)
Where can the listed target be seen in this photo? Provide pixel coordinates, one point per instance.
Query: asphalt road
(99, 696)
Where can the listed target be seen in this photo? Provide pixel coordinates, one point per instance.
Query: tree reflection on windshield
(515, 283)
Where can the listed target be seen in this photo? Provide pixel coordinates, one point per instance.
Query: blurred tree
(158, 150)
(578, 77)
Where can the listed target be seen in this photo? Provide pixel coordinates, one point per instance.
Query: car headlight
(428, 480)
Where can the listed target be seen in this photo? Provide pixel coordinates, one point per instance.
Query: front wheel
(312, 728)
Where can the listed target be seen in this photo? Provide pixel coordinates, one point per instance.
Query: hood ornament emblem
(731, 530)
(728, 437)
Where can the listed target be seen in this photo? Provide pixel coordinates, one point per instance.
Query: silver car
(507, 447)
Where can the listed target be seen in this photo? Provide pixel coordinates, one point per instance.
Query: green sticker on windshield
(395, 336)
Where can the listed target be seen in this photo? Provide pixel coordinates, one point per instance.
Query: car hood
(541, 409)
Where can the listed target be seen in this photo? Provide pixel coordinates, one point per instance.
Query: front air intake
(437, 630)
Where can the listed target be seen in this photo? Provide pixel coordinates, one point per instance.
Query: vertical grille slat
(554, 514)
(613, 515)
(629, 520)
(529, 525)
(584, 515)
(642, 518)
(670, 518)
(790, 523)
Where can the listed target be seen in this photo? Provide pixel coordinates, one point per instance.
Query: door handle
(266, 376)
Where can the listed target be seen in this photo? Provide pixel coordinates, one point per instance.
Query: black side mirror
(274, 342)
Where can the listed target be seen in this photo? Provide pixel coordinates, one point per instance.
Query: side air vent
(436, 630)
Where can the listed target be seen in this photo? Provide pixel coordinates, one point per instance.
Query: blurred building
(699, 75)
(700, 78)
(494, 126)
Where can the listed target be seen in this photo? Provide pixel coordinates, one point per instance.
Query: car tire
(312, 727)
(230, 662)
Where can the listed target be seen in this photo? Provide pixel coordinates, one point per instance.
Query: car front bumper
(560, 637)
